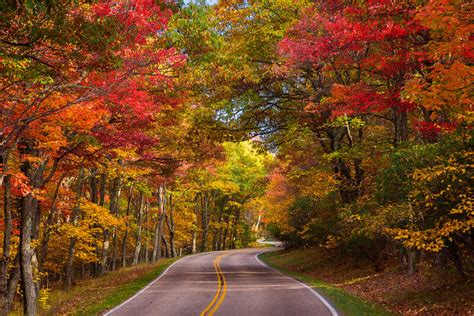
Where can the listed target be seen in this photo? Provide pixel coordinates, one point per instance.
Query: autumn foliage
(131, 130)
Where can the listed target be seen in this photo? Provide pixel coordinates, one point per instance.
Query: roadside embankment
(95, 295)
(356, 289)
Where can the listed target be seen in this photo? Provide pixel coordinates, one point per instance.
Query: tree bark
(138, 243)
(105, 234)
(234, 229)
(26, 255)
(13, 282)
(204, 221)
(159, 225)
(196, 225)
(400, 126)
(170, 224)
(226, 230)
(69, 272)
(218, 233)
(146, 252)
(48, 227)
(411, 262)
(114, 236)
(125, 235)
(166, 248)
(7, 217)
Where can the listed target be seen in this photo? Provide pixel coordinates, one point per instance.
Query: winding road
(233, 282)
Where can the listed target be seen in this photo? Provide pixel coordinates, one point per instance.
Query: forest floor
(429, 292)
(94, 295)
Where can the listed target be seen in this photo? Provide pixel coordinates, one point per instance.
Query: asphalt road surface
(226, 283)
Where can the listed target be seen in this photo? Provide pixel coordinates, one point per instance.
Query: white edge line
(319, 296)
(144, 289)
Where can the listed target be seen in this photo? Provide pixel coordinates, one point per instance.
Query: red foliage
(430, 131)
(375, 40)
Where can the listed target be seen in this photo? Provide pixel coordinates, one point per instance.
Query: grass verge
(94, 296)
(344, 302)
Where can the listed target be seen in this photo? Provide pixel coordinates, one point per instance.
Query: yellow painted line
(221, 289)
(223, 292)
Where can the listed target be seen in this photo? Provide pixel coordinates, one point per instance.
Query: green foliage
(246, 167)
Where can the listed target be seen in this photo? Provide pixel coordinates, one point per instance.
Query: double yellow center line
(221, 289)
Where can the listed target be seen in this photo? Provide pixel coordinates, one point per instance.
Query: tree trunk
(105, 234)
(26, 255)
(48, 227)
(166, 248)
(454, 252)
(411, 262)
(204, 219)
(170, 224)
(145, 252)
(349, 185)
(7, 217)
(226, 231)
(115, 211)
(159, 225)
(401, 126)
(402, 255)
(218, 233)
(195, 226)
(72, 244)
(29, 213)
(13, 283)
(125, 235)
(138, 243)
(234, 229)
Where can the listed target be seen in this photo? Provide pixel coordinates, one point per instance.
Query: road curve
(226, 283)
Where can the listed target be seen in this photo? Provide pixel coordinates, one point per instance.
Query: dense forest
(140, 129)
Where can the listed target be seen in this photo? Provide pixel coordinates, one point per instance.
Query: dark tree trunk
(103, 182)
(115, 211)
(454, 252)
(7, 217)
(401, 126)
(48, 227)
(226, 231)
(26, 255)
(196, 225)
(218, 232)
(13, 282)
(234, 229)
(204, 220)
(105, 234)
(411, 262)
(145, 250)
(159, 225)
(69, 269)
(125, 235)
(138, 243)
(29, 213)
(165, 245)
(29, 209)
(170, 224)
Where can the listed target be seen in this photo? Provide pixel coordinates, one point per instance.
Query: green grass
(124, 292)
(344, 302)
(91, 296)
